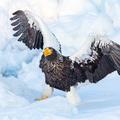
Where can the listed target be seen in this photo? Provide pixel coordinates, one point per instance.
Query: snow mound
(9, 99)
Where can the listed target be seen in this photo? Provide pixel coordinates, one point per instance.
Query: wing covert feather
(99, 57)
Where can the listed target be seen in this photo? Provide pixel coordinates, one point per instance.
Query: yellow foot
(41, 99)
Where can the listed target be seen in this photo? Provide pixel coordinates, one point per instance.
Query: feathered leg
(73, 97)
(46, 93)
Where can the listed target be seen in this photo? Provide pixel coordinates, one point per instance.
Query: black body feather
(59, 72)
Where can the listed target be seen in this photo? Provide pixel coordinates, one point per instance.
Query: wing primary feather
(23, 37)
(36, 41)
(22, 30)
(16, 22)
(32, 37)
(18, 12)
(17, 27)
(17, 33)
(40, 41)
(14, 18)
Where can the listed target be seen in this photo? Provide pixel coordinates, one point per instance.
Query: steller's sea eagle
(97, 58)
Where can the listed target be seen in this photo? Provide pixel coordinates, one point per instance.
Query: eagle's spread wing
(33, 31)
(98, 57)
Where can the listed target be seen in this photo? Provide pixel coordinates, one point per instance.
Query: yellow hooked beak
(47, 52)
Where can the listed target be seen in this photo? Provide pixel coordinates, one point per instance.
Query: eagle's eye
(47, 52)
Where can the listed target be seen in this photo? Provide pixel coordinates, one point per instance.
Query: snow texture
(21, 79)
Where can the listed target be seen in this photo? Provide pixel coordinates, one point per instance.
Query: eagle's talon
(41, 99)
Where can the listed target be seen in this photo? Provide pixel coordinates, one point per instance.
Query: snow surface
(21, 80)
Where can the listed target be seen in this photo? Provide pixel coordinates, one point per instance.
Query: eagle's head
(50, 53)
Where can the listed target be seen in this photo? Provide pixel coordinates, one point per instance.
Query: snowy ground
(21, 80)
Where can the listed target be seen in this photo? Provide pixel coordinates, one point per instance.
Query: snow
(21, 80)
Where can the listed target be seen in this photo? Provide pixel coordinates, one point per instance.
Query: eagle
(97, 57)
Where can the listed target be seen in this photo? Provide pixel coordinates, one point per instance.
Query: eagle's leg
(46, 93)
(73, 97)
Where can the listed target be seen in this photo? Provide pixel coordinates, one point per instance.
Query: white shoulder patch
(84, 53)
